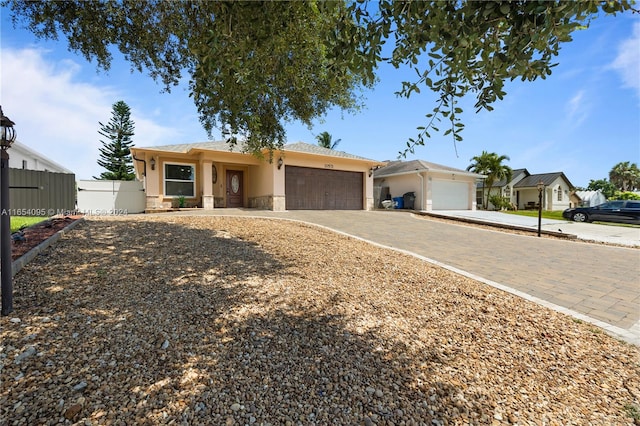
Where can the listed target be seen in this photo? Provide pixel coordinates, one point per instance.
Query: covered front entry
(307, 188)
(450, 195)
(234, 188)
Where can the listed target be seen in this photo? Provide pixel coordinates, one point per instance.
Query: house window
(479, 198)
(507, 191)
(24, 164)
(559, 193)
(179, 180)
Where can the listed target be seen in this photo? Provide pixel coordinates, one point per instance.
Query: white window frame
(560, 193)
(165, 180)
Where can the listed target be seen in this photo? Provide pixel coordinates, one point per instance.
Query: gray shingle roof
(318, 150)
(224, 146)
(547, 178)
(515, 173)
(403, 167)
(186, 147)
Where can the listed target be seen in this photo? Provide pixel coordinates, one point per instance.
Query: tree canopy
(325, 140)
(491, 165)
(625, 176)
(255, 65)
(603, 185)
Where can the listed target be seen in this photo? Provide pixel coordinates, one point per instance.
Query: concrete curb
(499, 225)
(20, 262)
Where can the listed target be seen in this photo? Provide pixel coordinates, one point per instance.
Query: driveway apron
(594, 282)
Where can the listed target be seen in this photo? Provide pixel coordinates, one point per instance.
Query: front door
(234, 188)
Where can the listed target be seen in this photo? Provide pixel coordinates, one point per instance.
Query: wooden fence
(40, 193)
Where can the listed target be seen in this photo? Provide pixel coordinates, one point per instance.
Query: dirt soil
(234, 321)
(36, 234)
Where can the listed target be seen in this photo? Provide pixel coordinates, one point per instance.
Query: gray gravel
(239, 321)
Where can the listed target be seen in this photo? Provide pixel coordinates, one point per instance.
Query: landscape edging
(20, 262)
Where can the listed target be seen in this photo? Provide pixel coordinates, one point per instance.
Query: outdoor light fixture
(153, 163)
(280, 163)
(7, 137)
(540, 189)
(8, 133)
(371, 172)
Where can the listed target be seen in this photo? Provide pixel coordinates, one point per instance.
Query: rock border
(23, 260)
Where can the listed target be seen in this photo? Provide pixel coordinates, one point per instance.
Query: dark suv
(611, 211)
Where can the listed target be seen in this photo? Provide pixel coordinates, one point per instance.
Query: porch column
(153, 188)
(473, 195)
(207, 185)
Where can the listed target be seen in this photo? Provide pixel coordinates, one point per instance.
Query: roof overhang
(438, 171)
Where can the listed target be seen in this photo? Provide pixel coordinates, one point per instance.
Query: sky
(581, 120)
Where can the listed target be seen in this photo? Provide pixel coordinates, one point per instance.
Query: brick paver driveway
(598, 281)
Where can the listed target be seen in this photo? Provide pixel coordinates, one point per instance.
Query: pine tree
(115, 155)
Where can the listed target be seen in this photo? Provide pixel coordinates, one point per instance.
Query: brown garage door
(319, 189)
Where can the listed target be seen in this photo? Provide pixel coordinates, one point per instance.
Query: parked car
(611, 211)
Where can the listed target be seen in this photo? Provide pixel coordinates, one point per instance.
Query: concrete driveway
(592, 282)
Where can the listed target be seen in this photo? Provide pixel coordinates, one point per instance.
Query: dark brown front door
(234, 188)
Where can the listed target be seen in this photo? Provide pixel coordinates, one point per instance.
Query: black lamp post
(540, 189)
(7, 137)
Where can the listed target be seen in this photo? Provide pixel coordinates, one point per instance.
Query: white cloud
(577, 109)
(627, 62)
(57, 114)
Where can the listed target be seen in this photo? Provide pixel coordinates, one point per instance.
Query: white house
(435, 187)
(522, 190)
(23, 157)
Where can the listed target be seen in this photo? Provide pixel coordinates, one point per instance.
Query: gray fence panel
(40, 191)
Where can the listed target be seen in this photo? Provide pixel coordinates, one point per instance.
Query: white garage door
(449, 195)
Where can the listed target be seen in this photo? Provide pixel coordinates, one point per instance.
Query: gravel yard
(240, 321)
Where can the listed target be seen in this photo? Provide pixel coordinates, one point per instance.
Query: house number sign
(328, 166)
(235, 184)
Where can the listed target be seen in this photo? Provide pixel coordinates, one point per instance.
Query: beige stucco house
(215, 175)
(435, 186)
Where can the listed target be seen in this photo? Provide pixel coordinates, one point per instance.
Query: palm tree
(625, 176)
(324, 140)
(490, 165)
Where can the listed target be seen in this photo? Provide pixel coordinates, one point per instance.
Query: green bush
(500, 202)
(628, 195)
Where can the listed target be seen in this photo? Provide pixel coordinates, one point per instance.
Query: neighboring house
(436, 187)
(23, 157)
(522, 190)
(214, 174)
(590, 198)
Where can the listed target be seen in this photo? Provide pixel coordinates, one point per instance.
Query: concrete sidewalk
(612, 234)
(595, 283)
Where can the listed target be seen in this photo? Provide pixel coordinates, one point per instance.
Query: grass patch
(557, 215)
(633, 411)
(19, 221)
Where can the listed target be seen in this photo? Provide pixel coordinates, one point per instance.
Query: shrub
(628, 195)
(500, 202)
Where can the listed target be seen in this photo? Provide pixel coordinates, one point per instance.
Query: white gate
(111, 197)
